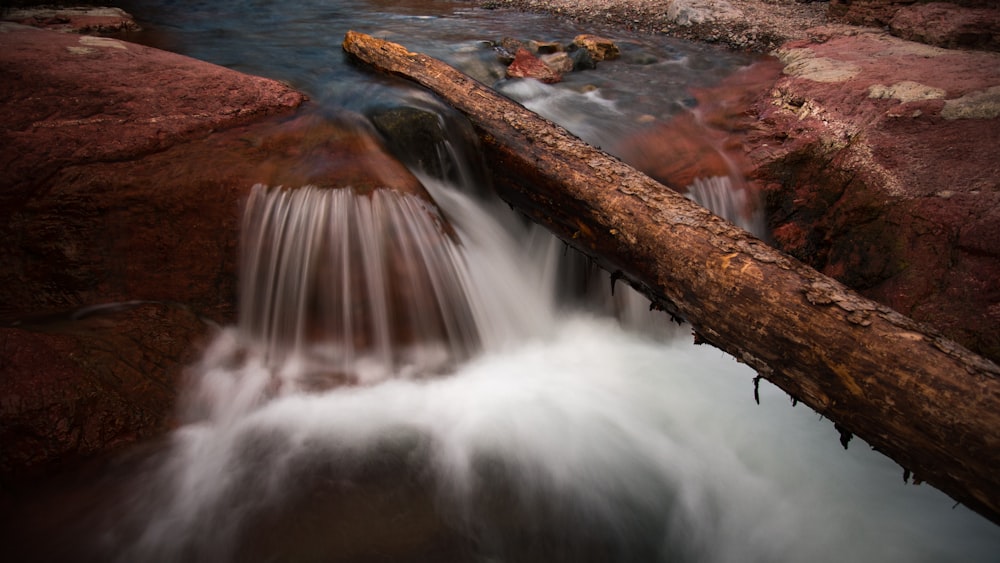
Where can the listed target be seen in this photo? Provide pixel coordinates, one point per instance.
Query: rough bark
(921, 399)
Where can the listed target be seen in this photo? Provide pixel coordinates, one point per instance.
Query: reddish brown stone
(69, 99)
(954, 23)
(527, 65)
(80, 20)
(73, 388)
(879, 160)
(122, 174)
(948, 25)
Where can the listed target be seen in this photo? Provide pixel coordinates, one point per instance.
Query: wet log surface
(929, 404)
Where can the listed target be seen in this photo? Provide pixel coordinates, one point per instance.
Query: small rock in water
(559, 62)
(527, 65)
(600, 48)
(582, 60)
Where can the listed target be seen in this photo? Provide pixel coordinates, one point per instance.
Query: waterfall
(357, 286)
(426, 378)
(496, 419)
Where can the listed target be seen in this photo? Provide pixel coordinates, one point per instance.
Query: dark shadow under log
(929, 404)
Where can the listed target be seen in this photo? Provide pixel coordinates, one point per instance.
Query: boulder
(705, 141)
(70, 99)
(560, 62)
(701, 152)
(582, 60)
(878, 159)
(544, 47)
(527, 65)
(100, 200)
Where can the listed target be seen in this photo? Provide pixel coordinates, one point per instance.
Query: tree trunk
(919, 398)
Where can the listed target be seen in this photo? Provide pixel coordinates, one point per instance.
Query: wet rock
(123, 171)
(86, 383)
(435, 141)
(879, 163)
(69, 99)
(706, 142)
(85, 216)
(507, 48)
(678, 152)
(527, 65)
(600, 48)
(86, 19)
(582, 60)
(560, 62)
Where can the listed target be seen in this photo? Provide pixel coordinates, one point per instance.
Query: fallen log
(921, 399)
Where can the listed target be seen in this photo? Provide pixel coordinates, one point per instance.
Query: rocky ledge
(124, 172)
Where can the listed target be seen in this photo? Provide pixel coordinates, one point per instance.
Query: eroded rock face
(82, 384)
(878, 157)
(971, 24)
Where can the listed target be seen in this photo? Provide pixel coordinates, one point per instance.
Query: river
(562, 433)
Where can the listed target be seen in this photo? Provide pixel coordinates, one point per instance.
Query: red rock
(70, 99)
(948, 25)
(679, 151)
(879, 160)
(954, 23)
(527, 65)
(76, 388)
(84, 19)
(87, 219)
(122, 174)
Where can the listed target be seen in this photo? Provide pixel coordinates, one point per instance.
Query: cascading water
(554, 436)
(350, 285)
(503, 413)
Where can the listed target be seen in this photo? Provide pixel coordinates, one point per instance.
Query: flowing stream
(479, 399)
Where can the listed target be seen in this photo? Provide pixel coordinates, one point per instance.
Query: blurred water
(571, 429)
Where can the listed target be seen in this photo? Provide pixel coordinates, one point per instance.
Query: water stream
(496, 408)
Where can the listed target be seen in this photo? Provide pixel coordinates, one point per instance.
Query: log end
(368, 48)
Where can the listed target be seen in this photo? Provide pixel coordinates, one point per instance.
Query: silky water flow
(410, 380)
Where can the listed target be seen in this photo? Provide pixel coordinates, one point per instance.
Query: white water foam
(567, 439)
